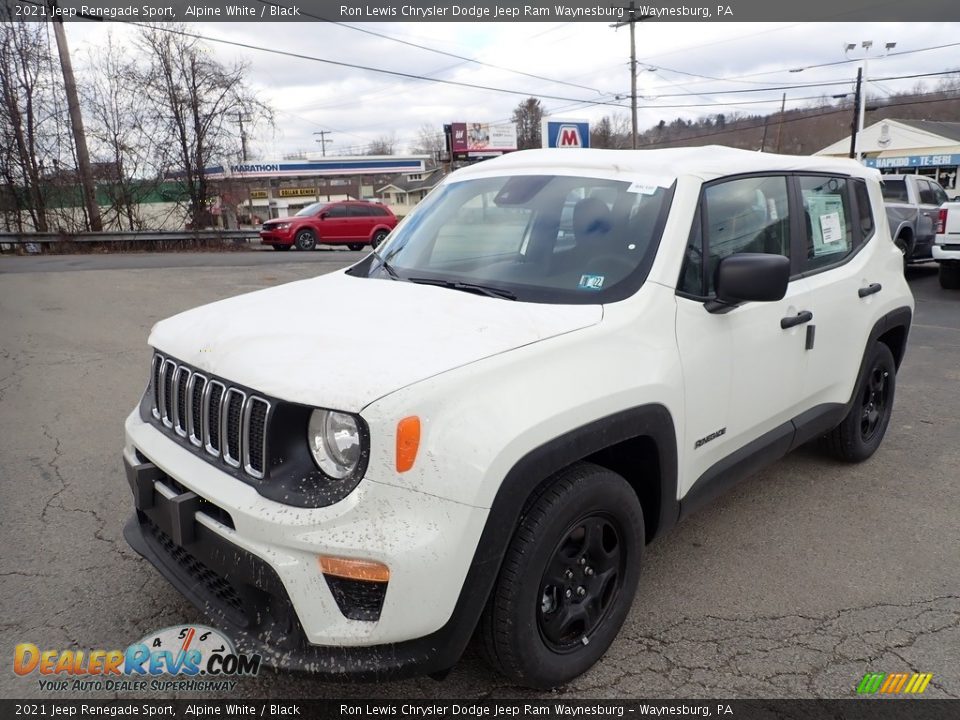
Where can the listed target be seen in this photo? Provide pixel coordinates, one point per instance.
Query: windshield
(540, 238)
(310, 210)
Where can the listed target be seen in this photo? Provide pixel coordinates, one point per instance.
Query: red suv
(353, 223)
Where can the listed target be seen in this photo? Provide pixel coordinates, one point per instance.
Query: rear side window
(378, 211)
(895, 190)
(828, 220)
(864, 210)
(927, 195)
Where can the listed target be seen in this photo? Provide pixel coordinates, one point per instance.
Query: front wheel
(859, 435)
(305, 240)
(567, 580)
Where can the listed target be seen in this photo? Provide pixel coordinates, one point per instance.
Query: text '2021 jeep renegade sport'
(509, 410)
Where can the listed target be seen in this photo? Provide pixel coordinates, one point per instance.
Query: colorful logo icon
(178, 650)
(568, 136)
(894, 683)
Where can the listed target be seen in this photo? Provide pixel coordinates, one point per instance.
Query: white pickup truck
(946, 247)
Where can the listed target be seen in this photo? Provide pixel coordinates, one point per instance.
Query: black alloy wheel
(581, 582)
(305, 240)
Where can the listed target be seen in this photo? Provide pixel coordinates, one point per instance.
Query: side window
(939, 195)
(337, 211)
(828, 219)
(895, 190)
(377, 211)
(358, 211)
(749, 215)
(863, 209)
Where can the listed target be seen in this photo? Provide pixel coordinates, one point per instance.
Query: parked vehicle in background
(353, 223)
(912, 203)
(946, 248)
(553, 360)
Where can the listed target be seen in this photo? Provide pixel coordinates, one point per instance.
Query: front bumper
(250, 564)
(276, 237)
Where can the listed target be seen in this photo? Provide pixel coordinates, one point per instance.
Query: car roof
(706, 162)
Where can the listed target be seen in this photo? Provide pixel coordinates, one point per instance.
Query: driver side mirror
(323, 215)
(750, 277)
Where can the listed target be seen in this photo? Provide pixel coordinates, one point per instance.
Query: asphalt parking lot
(795, 584)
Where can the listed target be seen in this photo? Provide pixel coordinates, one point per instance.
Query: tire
(950, 275)
(356, 246)
(904, 246)
(859, 435)
(378, 237)
(281, 247)
(567, 580)
(305, 240)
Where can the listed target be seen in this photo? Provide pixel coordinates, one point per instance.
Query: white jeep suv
(476, 430)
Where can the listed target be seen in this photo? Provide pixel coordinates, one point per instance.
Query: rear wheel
(950, 275)
(355, 246)
(567, 580)
(905, 246)
(378, 237)
(305, 240)
(859, 435)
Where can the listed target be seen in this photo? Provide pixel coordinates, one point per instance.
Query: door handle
(800, 318)
(869, 290)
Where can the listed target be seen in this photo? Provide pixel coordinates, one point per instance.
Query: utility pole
(783, 105)
(856, 115)
(243, 138)
(76, 124)
(632, 20)
(323, 141)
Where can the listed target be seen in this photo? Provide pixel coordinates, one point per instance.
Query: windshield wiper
(487, 290)
(394, 275)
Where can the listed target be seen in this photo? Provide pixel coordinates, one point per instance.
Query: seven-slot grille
(226, 422)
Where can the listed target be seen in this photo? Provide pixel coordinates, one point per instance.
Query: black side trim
(776, 443)
(722, 476)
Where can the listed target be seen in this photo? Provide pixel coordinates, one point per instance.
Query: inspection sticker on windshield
(642, 188)
(591, 282)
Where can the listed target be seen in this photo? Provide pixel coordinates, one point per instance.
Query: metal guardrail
(147, 236)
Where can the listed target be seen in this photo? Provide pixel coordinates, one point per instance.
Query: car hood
(341, 342)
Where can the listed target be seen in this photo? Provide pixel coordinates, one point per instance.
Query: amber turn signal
(368, 570)
(408, 442)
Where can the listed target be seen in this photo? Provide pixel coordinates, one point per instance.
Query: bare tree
(429, 141)
(527, 117)
(383, 145)
(31, 136)
(195, 102)
(121, 134)
(611, 132)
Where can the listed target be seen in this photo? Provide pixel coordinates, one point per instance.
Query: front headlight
(335, 442)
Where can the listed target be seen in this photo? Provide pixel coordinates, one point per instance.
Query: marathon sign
(556, 133)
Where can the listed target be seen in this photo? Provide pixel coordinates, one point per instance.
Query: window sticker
(830, 229)
(642, 188)
(591, 282)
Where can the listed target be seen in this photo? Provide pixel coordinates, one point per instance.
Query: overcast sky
(358, 106)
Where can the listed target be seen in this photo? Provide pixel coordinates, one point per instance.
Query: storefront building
(923, 147)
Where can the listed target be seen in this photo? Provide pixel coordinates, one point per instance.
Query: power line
(435, 50)
(355, 66)
(798, 119)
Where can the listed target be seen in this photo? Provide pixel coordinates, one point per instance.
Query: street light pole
(862, 91)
